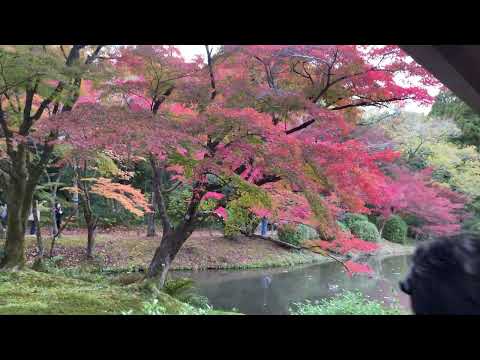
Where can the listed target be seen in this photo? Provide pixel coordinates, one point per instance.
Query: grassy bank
(36, 293)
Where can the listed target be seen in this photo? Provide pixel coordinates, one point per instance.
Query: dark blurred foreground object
(456, 66)
(445, 277)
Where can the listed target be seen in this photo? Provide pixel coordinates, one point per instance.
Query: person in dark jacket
(58, 215)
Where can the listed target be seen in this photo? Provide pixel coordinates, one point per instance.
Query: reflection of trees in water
(250, 293)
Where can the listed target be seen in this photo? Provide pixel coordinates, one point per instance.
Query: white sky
(189, 52)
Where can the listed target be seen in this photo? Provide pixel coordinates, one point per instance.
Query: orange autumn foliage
(127, 196)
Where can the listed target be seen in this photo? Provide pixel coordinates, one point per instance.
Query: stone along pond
(273, 291)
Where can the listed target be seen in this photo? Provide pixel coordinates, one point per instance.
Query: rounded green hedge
(306, 232)
(296, 234)
(366, 231)
(289, 234)
(395, 230)
(342, 226)
(351, 218)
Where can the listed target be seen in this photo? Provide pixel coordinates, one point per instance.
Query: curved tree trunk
(172, 238)
(165, 254)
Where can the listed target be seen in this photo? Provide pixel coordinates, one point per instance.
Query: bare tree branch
(210, 71)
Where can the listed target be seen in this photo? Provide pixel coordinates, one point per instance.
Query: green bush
(289, 234)
(351, 218)
(306, 232)
(374, 219)
(154, 307)
(395, 230)
(472, 226)
(342, 226)
(365, 231)
(240, 220)
(347, 303)
(294, 235)
(182, 289)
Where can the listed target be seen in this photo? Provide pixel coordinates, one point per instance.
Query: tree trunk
(2, 231)
(165, 254)
(91, 240)
(76, 200)
(172, 238)
(54, 220)
(38, 232)
(151, 219)
(91, 226)
(19, 200)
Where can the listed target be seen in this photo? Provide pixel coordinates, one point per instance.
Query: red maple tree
(275, 118)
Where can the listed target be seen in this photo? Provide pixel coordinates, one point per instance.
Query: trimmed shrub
(351, 218)
(365, 231)
(296, 234)
(374, 219)
(306, 232)
(343, 226)
(289, 234)
(395, 230)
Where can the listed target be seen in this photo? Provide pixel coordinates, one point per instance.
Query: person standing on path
(58, 215)
(31, 219)
(264, 226)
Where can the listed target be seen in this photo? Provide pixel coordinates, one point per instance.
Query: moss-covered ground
(30, 292)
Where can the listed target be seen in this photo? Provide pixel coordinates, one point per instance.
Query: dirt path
(204, 250)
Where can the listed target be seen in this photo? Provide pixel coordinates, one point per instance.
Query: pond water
(273, 291)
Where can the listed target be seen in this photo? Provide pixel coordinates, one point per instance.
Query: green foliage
(342, 226)
(244, 196)
(177, 203)
(105, 166)
(457, 166)
(289, 234)
(182, 290)
(240, 220)
(412, 222)
(142, 176)
(366, 231)
(33, 293)
(447, 105)
(155, 307)
(306, 232)
(347, 303)
(351, 218)
(29, 292)
(395, 229)
(295, 234)
(177, 287)
(472, 225)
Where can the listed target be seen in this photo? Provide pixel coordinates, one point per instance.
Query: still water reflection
(273, 291)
